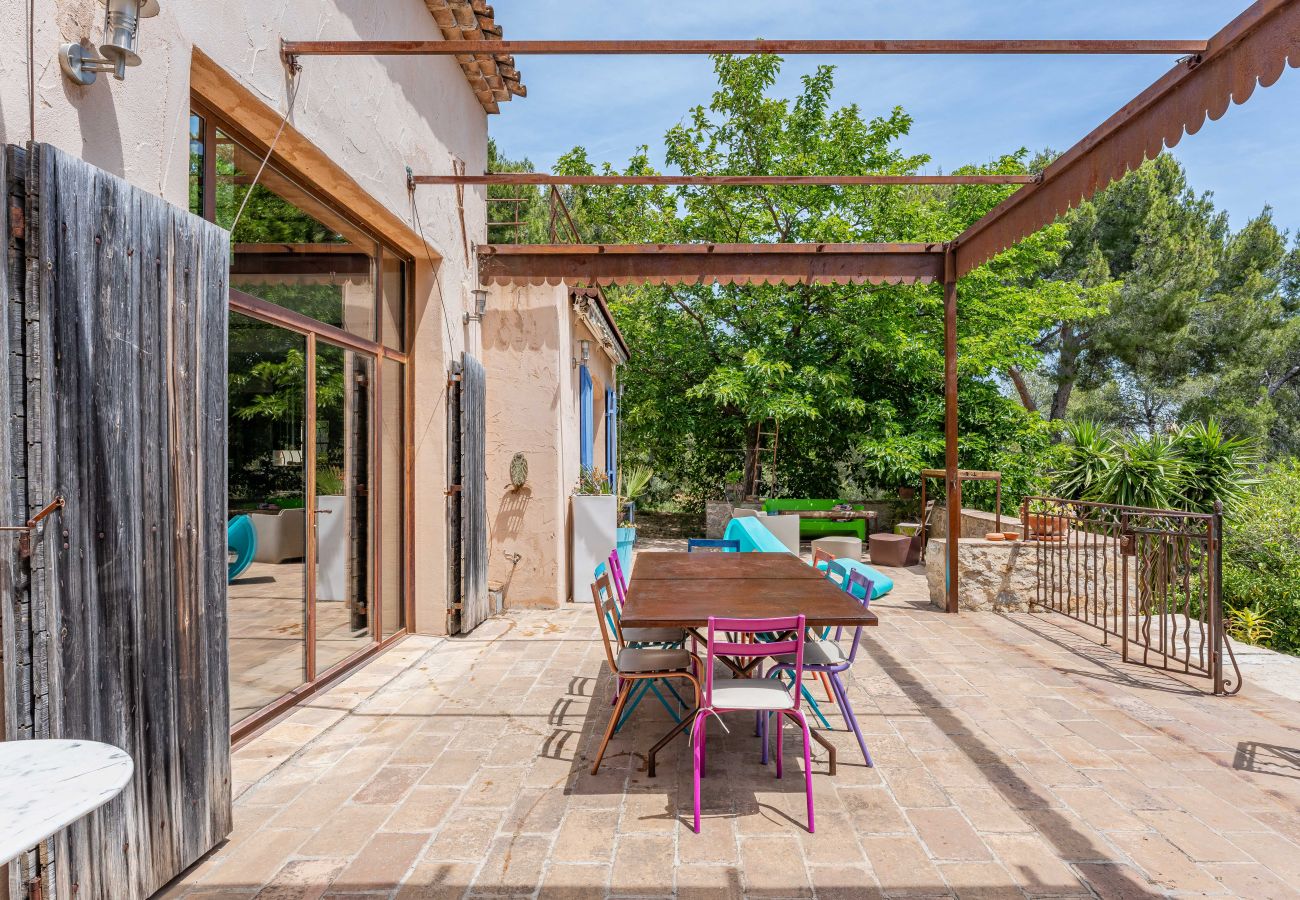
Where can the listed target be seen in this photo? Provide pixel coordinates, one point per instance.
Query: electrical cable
(294, 83)
(31, 68)
(433, 268)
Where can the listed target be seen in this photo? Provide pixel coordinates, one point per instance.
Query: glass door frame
(379, 352)
(312, 330)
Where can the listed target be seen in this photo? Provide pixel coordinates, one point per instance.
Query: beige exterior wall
(358, 122)
(530, 349)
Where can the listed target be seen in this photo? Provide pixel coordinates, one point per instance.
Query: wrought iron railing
(1152, 578)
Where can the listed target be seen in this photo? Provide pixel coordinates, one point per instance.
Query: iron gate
(1152, 578)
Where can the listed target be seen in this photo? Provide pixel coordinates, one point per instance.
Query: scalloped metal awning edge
(605, 264)
(1252, 50)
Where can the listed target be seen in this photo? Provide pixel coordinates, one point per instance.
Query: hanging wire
(433, 268)
(31, 68)
(294, 82)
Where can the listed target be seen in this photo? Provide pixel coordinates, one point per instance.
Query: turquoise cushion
(753, 536)
(881, 584)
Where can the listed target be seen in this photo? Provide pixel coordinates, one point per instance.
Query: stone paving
(1014, 757)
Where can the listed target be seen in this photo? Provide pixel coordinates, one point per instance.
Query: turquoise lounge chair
(241, 540)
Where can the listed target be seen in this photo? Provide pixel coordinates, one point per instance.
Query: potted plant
(632, 484)
(595, 519)
(332, 525)
(1045, 524)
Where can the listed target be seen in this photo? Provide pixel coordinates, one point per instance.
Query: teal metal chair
(241, 540)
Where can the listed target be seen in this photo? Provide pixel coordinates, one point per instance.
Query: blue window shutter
(587, 428)
(611, 446)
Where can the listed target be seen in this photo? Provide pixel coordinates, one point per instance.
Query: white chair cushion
(635, 660)
(654, 635)
(818, 653)
(751, 693)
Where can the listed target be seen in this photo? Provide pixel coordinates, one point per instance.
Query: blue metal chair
(241, 540)
(693, 544)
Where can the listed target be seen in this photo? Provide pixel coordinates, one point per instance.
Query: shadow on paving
(1130, 674)
(735, 782)
(1267, 759)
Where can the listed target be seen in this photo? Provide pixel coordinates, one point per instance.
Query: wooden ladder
(773, 431)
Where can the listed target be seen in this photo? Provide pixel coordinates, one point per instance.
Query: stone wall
(975, 523)
(1002, 576)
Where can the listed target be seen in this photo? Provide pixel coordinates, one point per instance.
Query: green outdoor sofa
(815, 528)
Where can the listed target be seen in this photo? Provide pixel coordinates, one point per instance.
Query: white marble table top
(45, 786)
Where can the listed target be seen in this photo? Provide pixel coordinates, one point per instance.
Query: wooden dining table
(682, 590)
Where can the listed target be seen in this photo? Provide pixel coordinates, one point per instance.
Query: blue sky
(966, 109)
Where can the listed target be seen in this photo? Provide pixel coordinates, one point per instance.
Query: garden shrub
(1261, 555)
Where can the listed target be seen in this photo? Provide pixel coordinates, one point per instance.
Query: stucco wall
(530, 347)
(525, 351)
(371, 116)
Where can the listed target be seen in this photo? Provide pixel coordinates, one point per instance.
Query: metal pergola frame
(1251, 50)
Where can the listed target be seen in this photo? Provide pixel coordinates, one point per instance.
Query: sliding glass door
(319, 408)
(267, 483)
(343, 509)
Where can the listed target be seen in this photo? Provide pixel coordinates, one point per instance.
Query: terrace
(1017, 754)
(1014, 756)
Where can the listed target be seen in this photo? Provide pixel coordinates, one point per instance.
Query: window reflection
(267, 539)
(291, 249)
(343, 514)
(392, 442)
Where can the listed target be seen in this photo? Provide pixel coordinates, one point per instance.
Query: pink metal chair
(620, 581)
(753, 695)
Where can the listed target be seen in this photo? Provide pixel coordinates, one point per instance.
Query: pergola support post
(951, 481)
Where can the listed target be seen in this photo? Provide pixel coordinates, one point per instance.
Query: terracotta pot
(994, 536)
(906, 493)
(1042, 524)
(1010, 536)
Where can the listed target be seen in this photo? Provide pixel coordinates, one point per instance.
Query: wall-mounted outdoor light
(121, 23)
(480, 306)
(586, 351)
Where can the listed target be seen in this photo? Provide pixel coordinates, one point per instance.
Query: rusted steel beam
(290, 49)
(537, 178)
(952, 478)
(704, 263)
(1253, 49)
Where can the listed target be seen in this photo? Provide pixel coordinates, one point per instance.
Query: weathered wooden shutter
(473, 450)
(123, 360)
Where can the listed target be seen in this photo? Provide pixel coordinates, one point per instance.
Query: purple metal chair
(753, 695)
(620, 581)
(827, 657)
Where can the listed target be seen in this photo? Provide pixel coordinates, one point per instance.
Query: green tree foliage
(1198, 321)
(1261, 558)
(852, 374)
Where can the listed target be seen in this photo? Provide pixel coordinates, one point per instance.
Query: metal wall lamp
(121, 24)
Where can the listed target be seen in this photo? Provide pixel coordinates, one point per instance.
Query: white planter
(331, 548)
(595, 522)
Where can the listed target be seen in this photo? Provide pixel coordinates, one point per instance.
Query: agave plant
(1217, 466)
(1147, 472)
(1090, 455)
(1251, 626)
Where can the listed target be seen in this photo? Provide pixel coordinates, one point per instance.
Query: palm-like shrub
(1147, 472)
(1217, 466)
(1090, 454)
